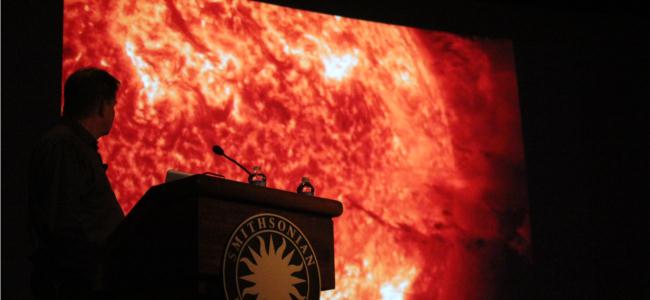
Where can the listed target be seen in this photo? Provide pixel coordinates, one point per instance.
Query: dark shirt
(72, 206)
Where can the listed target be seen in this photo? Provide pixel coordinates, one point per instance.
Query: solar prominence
(416, 132)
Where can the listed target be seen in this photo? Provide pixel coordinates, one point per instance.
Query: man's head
(90, 97)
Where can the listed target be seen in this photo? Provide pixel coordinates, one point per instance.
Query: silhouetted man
(72, 206)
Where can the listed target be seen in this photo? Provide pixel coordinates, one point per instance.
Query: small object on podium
(257, 177)
(176, 175)
(305, 187)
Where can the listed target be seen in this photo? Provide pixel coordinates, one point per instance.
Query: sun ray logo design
(269, 258)
(272, 264)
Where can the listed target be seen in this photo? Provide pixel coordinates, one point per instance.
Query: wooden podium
(203, 237)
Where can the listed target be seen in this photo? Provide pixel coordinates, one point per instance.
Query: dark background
(583, 86)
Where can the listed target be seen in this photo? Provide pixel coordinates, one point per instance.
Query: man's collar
(80, 131)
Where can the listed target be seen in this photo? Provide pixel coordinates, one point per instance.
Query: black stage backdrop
(583, 88)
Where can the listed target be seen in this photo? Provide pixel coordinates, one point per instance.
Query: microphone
(219, 151)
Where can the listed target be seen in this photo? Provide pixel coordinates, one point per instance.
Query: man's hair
(86, 91)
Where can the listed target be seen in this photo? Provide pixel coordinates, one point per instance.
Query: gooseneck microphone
(219, 151)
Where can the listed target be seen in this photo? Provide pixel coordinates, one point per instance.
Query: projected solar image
(416, 132)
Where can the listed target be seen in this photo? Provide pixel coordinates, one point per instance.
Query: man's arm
(56, 185)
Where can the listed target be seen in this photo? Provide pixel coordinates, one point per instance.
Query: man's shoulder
(58, 132)
(58, 135)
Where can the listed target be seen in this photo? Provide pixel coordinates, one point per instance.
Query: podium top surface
(209, 186)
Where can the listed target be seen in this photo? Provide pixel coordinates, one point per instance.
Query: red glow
(416, 132)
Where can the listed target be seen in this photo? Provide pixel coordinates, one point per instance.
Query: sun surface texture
(416, 132)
